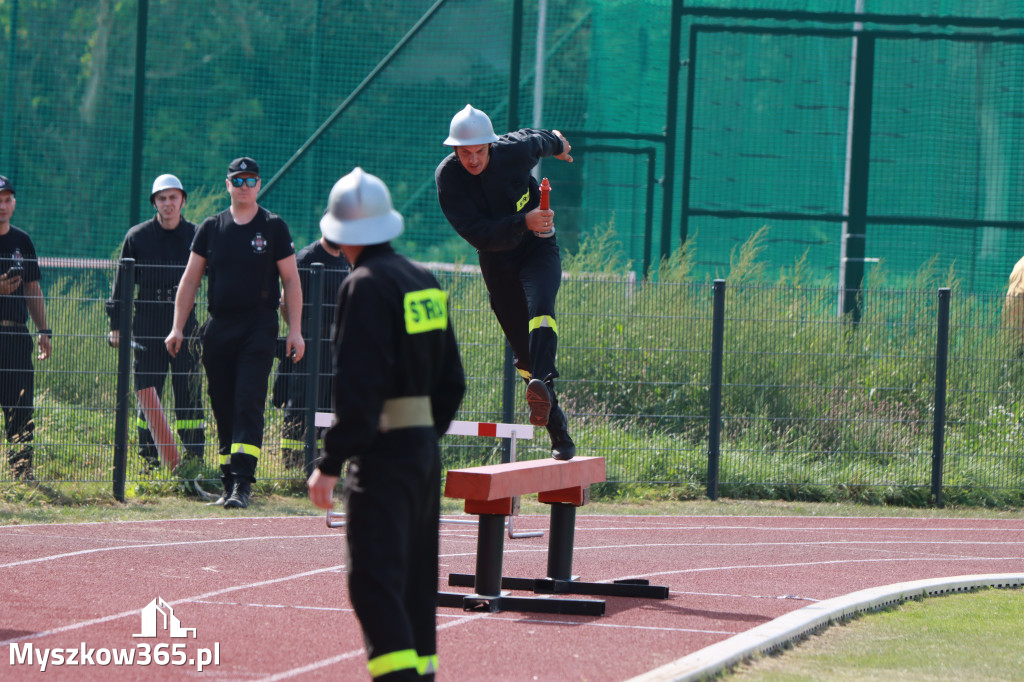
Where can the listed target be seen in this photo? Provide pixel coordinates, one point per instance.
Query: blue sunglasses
(248, 182)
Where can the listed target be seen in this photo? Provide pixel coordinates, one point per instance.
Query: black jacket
(388, 345)
(487, 210)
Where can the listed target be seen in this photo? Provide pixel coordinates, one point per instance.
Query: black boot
(240, 495)
(562, 446)
(147, 451)
(243, 469)
(229, 484)
(539, 397)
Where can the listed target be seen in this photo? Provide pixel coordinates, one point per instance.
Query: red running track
(270, 592)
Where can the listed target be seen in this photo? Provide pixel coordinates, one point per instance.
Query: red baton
(545, 190)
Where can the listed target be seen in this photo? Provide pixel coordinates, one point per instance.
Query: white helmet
(470, 126)
(359, 211)
(167, 181)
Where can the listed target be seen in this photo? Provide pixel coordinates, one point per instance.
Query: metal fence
(786, 395)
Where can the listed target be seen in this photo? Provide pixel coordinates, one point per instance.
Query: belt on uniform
(11, 323)
(405, 413)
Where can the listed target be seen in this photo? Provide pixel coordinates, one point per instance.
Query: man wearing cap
(21, 297)
(160, 247)
(398, 382)
(244, 250)
(488, 195)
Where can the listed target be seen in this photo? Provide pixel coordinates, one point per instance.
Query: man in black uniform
(160, 247)
(291, 380)
(244, 250)
(488, 195)
(20, 297)
(398, 382)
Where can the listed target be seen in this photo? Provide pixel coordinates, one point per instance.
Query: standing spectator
(290, 383)
(160, 247)
(21, 297)
(488, 195)
(398, 382)
(244, 250)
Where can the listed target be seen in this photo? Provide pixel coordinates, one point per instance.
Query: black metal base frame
(634, 587)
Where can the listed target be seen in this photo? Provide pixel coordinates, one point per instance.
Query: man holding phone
(21, 297)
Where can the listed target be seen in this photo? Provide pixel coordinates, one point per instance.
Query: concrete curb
(785, 629)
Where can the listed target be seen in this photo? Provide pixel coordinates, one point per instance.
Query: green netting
(770, 115)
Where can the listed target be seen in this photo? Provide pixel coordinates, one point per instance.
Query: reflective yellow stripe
(189, 423)
(524, 374)
(427, 665)
(426, 310)
(224, 459)
(392, 662)
(141, 423)
(292, 444)
(246, 449)
(544, 321)
(523, 201)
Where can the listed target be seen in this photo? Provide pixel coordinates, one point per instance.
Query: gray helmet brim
(362, 231)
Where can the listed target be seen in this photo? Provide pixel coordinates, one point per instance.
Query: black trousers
(522, 286)
(293, 428)
(152, 362)
(17, 390)
(393, 505)
(238, 354)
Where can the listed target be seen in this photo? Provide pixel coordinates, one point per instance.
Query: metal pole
(7, 164)
(671, 113)
(138, 133)
(311, 107)
(124, 377)
(538, 73)
(715, 386)
(939, 427)
(848, 169)
(508, 392)
(691, 96)
(313, 348)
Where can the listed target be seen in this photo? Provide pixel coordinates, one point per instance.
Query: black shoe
(562, 447)
(240, 495)
(228, 480)
(538, 397)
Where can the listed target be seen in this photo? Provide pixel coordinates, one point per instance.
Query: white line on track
(95, 550)
(184, 600)
(747, 567)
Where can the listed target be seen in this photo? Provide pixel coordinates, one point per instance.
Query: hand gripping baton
(545, 190)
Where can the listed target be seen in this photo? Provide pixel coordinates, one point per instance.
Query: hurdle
(564, 486)
(461, 428)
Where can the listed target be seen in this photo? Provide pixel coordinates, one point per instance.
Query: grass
(954, 637)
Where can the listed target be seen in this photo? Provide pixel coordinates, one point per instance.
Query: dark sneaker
(562, 447)
(538, 397)
(240, 495)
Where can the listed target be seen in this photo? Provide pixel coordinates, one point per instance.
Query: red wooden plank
(496, 481)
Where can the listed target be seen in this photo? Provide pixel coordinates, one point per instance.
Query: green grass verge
(955, 637)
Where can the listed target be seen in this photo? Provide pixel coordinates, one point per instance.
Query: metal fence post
(939, 428)
(715, 386)
(316, 304)
(508, 400)
(124, 376)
